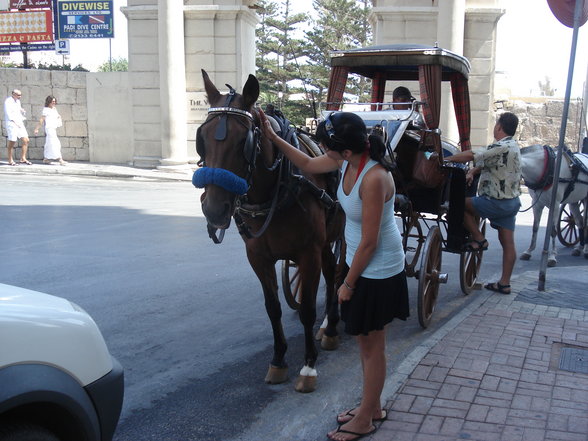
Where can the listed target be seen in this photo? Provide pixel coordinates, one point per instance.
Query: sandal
(355, 435)
(482, 245)
(12, 163)
(497, 287)
(26, 162)
(342, 417)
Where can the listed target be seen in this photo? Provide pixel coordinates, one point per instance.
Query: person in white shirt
(51, 119)
(14, 116)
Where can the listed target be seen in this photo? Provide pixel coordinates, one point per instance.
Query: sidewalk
(114, 171)
(511, 367)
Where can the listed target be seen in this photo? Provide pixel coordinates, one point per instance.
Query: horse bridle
(251, 145)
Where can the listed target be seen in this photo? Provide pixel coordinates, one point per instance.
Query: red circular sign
(564, 11)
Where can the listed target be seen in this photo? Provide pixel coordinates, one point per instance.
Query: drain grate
(574, 360)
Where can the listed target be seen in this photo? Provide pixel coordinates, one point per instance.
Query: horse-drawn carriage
(286, 216)
(432, 220)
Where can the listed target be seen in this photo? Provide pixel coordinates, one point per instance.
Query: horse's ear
(211, 90)
(250, 91)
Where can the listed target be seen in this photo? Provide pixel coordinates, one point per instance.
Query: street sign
(6, 49)
(62, 47)
(26, 26)
(85, 19)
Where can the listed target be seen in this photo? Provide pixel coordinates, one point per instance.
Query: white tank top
(388, 259)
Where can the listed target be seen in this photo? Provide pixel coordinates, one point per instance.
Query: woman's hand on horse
(266, 126)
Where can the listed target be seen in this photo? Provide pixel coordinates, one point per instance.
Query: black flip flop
(497, 287)
(356, 434)
(384, 416)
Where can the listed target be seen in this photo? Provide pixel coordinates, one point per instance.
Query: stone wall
(540, 120)
(70, 90)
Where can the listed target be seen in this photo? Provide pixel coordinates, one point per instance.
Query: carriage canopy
(428, 65)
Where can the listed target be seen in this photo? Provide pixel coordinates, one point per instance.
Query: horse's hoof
(319, 334)
(329, 343)
(576, 252)
(305, 384)
(525, 256)
(551, 262)
(276, 375)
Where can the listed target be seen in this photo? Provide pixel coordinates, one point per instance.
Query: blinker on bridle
(221, 177)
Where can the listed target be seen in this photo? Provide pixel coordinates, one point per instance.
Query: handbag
(427, 170)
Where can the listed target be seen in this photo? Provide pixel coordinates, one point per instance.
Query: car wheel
(26, 432)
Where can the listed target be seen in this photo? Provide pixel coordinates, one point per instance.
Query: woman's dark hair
(49, 99)
(347, 131)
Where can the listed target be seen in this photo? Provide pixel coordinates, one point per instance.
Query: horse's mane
(532, 150)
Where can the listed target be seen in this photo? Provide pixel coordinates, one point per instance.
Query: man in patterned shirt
(499, 166)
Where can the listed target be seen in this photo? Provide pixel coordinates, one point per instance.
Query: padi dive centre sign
(85, 19)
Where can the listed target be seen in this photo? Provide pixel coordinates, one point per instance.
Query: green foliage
(117, 65)
(288, 65)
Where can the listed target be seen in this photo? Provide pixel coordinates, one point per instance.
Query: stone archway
(169, 42)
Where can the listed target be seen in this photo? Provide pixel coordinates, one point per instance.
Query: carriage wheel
(412, 242)
(291, 284)
(469, 265)
(568, 231)
(430, 276)
(291, 279)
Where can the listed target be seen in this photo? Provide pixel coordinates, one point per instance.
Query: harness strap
(221, 128)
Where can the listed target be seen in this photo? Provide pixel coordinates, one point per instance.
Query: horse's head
(227, 145)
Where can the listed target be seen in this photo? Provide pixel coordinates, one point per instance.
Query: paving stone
(477, 413)
(497, 415)
(532, 434)
(557, 422)
(432, 424)
(421, 405)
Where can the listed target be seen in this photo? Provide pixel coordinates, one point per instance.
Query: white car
(58, 382)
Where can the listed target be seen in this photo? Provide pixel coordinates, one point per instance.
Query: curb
(99, 171)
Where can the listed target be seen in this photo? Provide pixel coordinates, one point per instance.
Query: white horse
(538, 165)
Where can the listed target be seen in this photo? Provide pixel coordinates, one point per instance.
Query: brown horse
(279, 216)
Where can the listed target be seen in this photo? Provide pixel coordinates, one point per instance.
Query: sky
(531, 44)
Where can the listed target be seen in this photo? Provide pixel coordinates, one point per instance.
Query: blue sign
(85, 19)
(5, 49)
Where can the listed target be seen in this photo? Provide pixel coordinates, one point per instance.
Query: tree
(117, 65)
(287, 65)
(277, 52)
(341, 24)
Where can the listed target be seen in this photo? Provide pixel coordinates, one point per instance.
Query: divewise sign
(85, 19)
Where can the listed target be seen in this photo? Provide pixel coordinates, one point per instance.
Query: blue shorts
(501, 213)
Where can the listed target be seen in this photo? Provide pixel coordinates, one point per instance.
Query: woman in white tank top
(374, 290)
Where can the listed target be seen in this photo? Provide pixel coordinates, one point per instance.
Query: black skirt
(375, 303)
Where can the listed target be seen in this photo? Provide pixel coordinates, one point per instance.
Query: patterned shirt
(501, 169)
